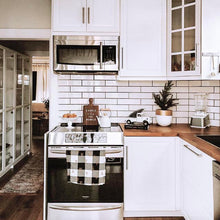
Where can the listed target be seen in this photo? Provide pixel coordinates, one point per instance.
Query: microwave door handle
(101, 55)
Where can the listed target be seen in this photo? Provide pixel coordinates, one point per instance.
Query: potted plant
(165, 101)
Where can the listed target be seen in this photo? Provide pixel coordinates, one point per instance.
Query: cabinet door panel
(68, 15)
(103, 15)
(197, 184)
(150, 178)
(143, 38)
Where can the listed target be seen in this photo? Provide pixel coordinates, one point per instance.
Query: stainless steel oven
(64, 200)
(86, 54)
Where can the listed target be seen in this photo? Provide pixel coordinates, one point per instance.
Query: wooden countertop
(184, 131)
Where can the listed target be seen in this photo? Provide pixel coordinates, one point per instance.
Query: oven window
(78, 55)
(59, 190)
(109, 54)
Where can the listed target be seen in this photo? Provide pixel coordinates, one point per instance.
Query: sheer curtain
(42, 90)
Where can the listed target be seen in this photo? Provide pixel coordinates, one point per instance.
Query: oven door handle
(64, 152)
(84, 208)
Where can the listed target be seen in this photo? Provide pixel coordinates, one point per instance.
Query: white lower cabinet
(197, 183)
(150, 176)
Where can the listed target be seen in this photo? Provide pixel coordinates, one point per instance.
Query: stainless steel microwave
(86, 53)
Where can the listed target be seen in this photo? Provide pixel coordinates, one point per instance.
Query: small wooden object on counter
(89, 114)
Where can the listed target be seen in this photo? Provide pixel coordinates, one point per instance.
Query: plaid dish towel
(86, 167)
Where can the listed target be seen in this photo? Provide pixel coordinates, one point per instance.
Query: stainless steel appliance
(212, 139)
(216, 187)
(86, 54)
(201, 118)
(64, 200)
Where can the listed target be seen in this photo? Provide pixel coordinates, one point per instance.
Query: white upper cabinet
(193, 48)
(103, 15)
(143, 38)
(210, 46)
(86, 15)
(183, 38)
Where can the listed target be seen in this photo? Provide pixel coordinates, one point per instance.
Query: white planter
(164, 117)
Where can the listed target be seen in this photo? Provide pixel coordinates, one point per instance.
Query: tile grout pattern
(124, 97)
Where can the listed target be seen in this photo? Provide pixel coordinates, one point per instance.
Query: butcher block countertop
(184, 131)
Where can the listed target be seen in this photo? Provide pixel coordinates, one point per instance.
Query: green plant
(165, 98)
(46, 103)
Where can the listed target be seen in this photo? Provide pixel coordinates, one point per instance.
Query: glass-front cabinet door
(19, 80)
(9, 140)
(26, 81)
(18, 132)
(9, 79)
(183, 37)
(26, 128)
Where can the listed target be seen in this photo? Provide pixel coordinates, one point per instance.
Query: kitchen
(147, 59)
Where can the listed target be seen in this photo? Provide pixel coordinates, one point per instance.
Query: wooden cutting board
(90, 112)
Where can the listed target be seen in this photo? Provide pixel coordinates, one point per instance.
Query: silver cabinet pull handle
(122, 58)
(86, 208)
(101, 55)
(88, 15)
(198, 155)
(126, 157)
(83, 15)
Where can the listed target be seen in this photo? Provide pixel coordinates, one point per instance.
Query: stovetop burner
(84, 135)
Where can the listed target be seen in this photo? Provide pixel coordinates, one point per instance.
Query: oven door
(61, 191)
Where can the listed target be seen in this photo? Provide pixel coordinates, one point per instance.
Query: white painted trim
(152, 213)
(30, 34)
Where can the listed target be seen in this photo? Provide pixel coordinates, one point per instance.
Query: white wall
(25, 14)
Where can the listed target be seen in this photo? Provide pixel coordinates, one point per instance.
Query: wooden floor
(18, 207)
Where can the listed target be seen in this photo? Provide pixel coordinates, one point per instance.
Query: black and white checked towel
(86, 167)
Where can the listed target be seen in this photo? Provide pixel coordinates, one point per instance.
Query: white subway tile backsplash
(140, 83)
(195, 83)
(69, 82)
(151, 89)
(93, 95)
(117, 107)
(105, 89)
(117, 95)
(69, 95)
(129, 89)
(140, 95)
(201, 89)
(70, 107)
(64, 101)
(93, 83)
(210, 83)
(81, 89)
(182, 83)
(106, 101)
(129, 101)
(105, 77)
(80, 101)
(64, 76)
(64, 88)
(82, 77)
(124, 97)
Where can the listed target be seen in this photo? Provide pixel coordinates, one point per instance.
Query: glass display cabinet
(15, 115)
(183, 38)
(27, 128)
